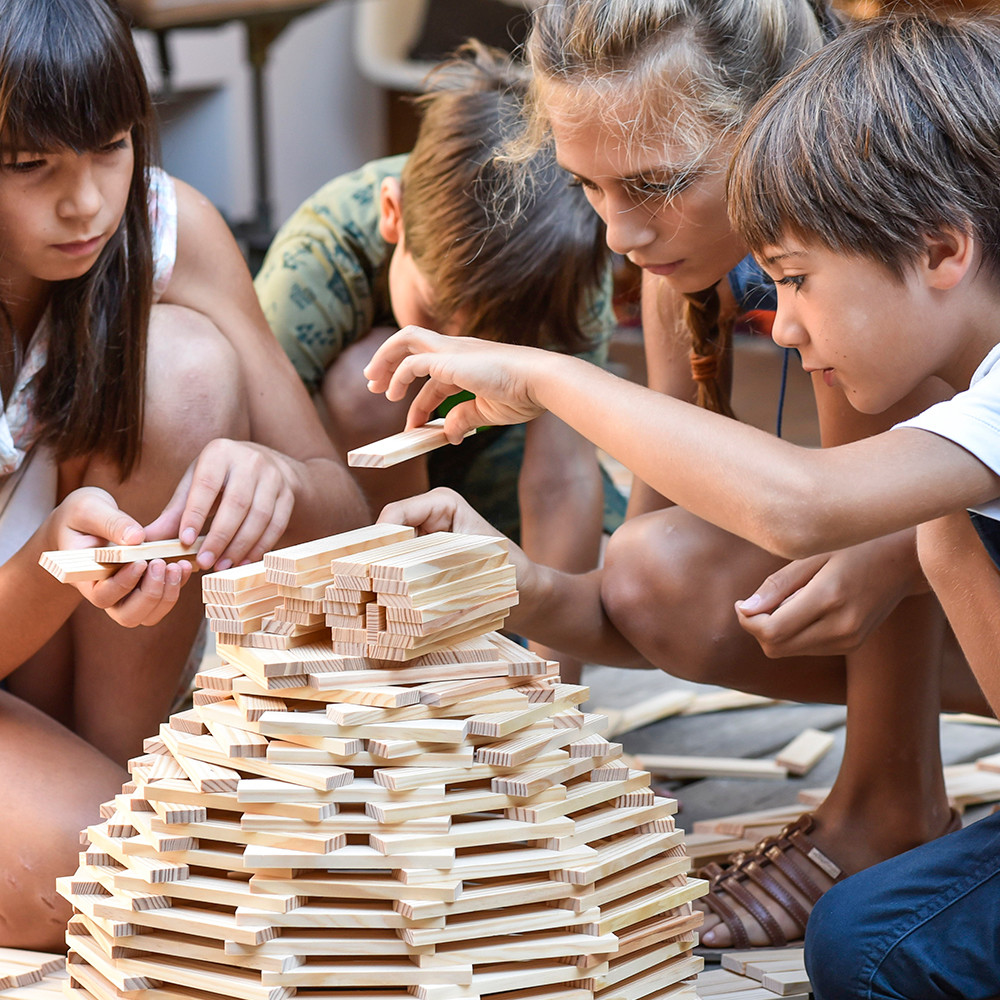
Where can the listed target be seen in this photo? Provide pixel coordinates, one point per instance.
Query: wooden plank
(804, 752)
(79, 565)
(683, 766)
(726, 701)
(322, 551)
(400, 447)
(649, 710)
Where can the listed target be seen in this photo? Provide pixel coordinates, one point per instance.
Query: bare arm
(211, 277)
(789, 500)
(560, 610)
(561, 497)
(666, 345)
(969, 591)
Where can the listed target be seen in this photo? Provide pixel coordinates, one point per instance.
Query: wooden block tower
(377, 796)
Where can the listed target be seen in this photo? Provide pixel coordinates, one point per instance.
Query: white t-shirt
(971, 419)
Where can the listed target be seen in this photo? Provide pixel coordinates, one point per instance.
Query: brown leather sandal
(790, 852)
(793, 854)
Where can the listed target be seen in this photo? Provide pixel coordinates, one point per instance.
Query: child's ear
(950, 255)
(390, 201)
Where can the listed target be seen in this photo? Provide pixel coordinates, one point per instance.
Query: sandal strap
(737, 929)
(753, 866)
(756, 908)
(766, 881)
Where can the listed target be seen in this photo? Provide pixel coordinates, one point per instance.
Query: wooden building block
(726, 701)
(804, 752)
(447, 827)
(660, 706)
(400, 447)
(683, 766)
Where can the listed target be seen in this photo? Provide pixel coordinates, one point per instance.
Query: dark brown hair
(521, 270)
(890, 134)
(70, 78)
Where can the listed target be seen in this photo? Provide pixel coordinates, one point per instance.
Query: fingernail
(752, 603)
(188, 535)
(157, 569)
(205, 558)
(224, 564)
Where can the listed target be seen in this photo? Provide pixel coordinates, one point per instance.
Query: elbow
(789, 539)
(800, 523)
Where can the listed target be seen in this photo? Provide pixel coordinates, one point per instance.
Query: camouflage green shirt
(324, 281)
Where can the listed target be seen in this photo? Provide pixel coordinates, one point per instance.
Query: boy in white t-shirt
(865, 183)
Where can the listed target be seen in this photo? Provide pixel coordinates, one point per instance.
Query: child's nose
(787, 331)
(629, 227)
(81, 196)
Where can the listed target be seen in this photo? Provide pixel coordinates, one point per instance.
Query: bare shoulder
(206, 250)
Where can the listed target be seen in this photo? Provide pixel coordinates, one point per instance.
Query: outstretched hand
(140, 593)
(498, 374)
(248, 492)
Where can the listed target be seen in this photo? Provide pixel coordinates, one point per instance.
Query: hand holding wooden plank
(79, 565)
(400, 447)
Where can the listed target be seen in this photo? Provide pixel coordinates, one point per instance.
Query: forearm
(789, 500)
(34, 603)
(564, 611)
(327, 501)
(560, 497)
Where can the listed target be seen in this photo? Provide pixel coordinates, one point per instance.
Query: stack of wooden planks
(449, 826)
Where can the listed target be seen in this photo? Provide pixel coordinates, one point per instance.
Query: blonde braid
(711, 346)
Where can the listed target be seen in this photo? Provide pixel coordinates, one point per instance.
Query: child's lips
(663, 270)
(829, 375)
(80, 248)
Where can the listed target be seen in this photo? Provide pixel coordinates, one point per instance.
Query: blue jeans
(921, 926)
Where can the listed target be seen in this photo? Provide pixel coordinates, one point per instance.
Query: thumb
(107, 520)
(462, 418)
(167, 523)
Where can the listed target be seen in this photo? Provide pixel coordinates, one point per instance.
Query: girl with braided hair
(643, 99)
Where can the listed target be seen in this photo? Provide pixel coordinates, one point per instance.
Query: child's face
(412, 296)
(665, 208)
(58, 209)
(855, 323)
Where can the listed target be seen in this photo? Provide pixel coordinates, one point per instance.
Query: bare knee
(54, 786)
(669, 585)
(194, 394)
(194, 382)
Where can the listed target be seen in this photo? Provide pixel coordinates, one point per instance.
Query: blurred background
(263, 101)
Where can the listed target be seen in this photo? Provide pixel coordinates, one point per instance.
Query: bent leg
(53, 783)
(923, 924)
(967, 583)
(670, 582)
(112, 685)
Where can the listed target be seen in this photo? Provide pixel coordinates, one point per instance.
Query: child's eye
(667, 189)
(121, 142)
(581, 182)
(23, 164)
(791, 280)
